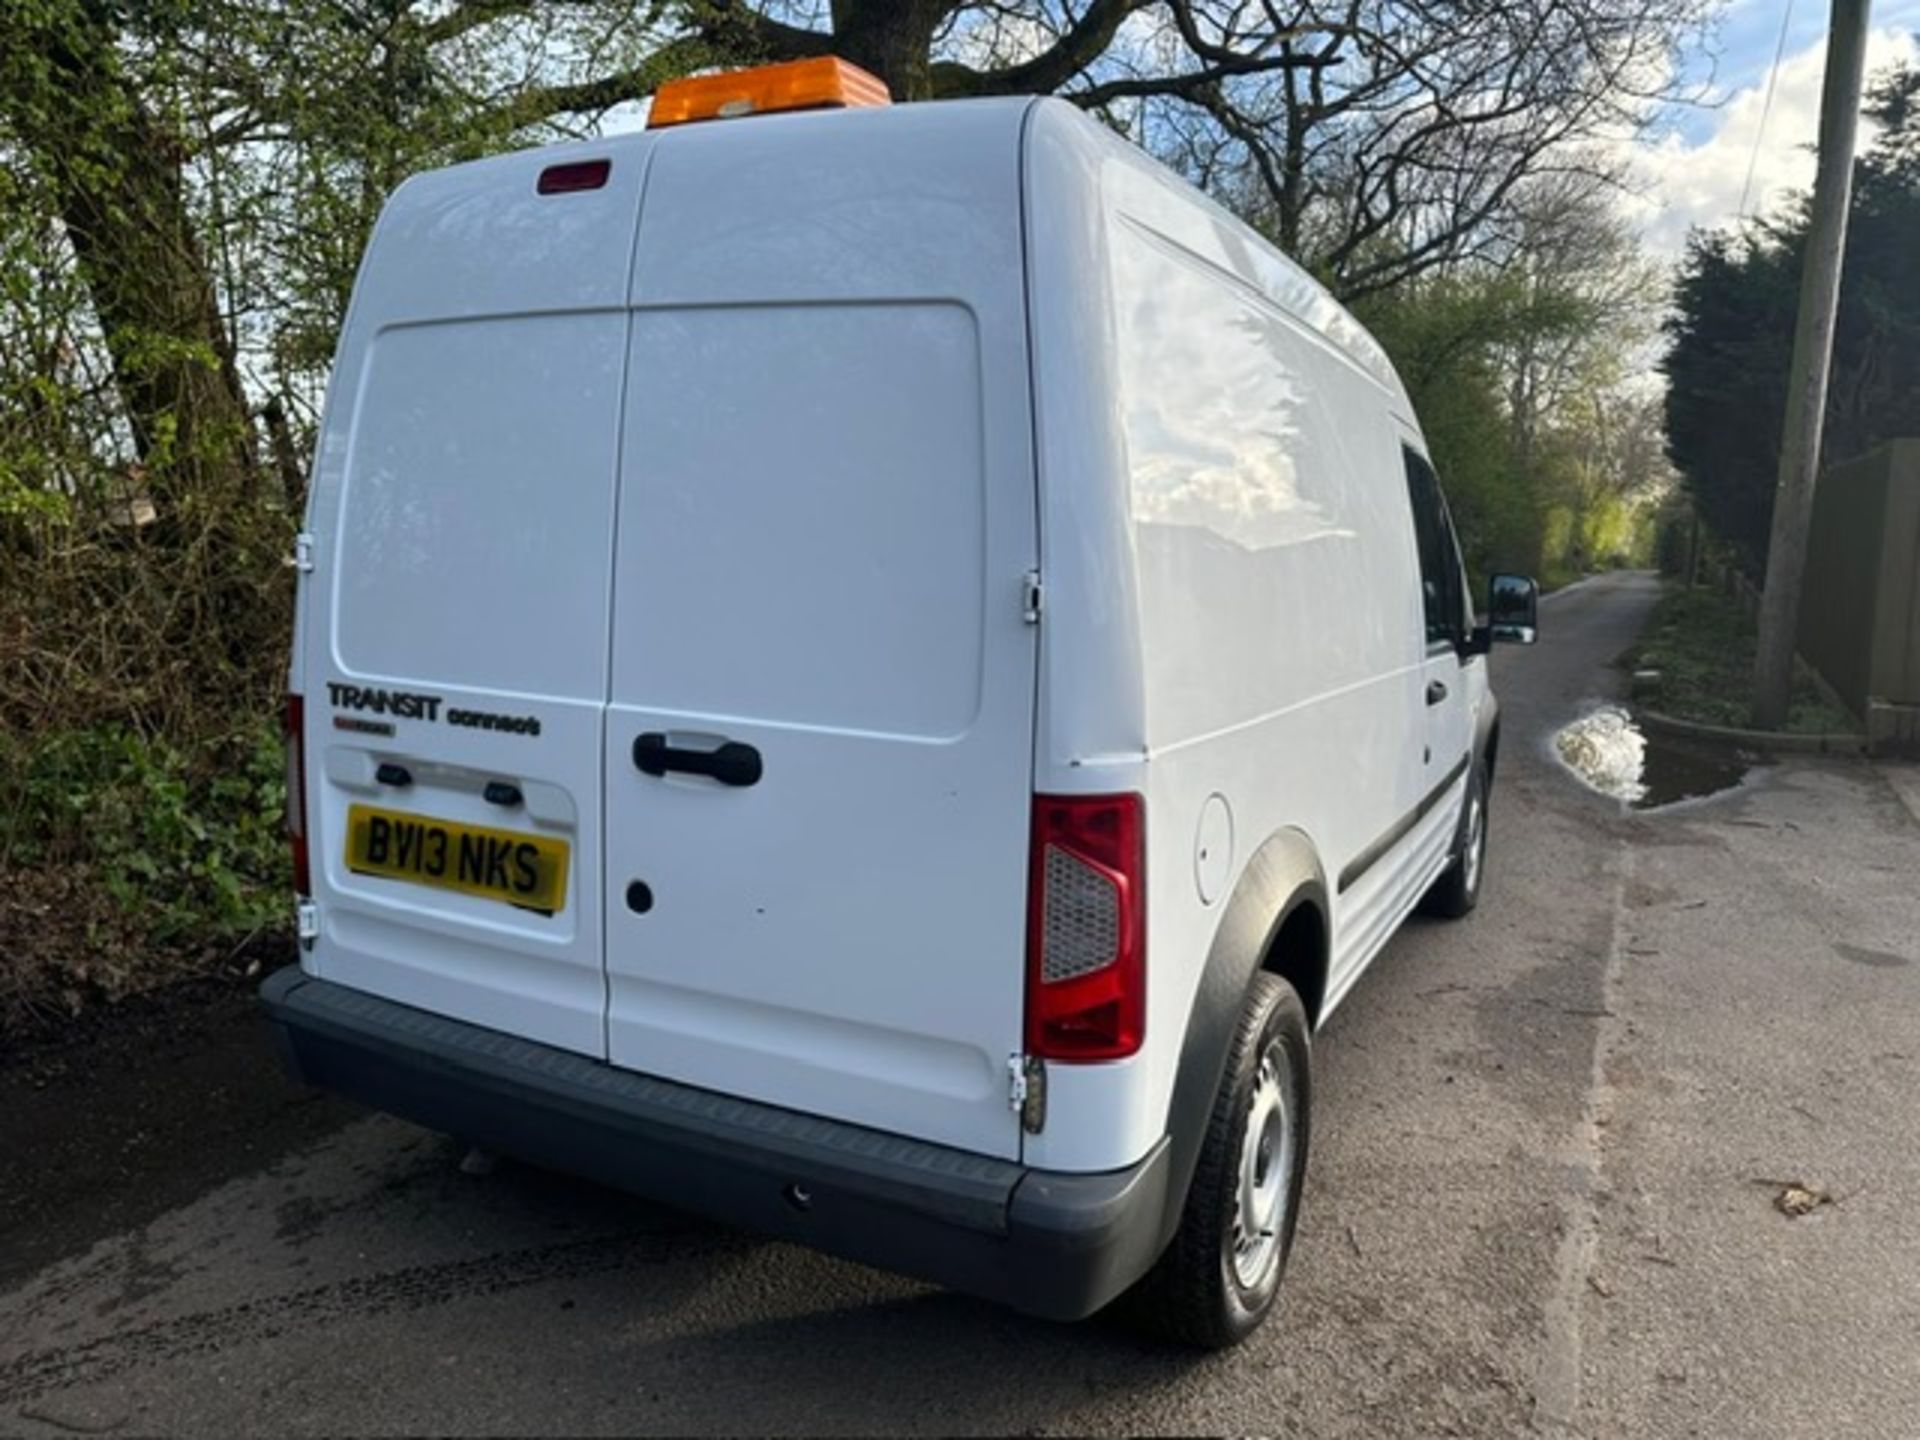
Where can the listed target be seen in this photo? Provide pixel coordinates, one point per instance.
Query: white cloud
(1681, 184)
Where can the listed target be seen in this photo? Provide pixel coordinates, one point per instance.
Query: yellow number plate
(527, 870)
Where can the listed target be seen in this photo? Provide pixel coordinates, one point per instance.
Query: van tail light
(297, 793)
(1086, 927)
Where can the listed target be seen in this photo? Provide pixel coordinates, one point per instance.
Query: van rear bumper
(1049, 1243)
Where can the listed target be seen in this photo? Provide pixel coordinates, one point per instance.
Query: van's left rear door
(454, 659)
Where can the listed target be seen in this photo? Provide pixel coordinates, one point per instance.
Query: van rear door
(454, 658)
(819, 744)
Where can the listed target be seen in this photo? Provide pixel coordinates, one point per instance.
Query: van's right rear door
(826, 516)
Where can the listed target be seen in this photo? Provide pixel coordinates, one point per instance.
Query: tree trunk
(891, 38)
(115, 176)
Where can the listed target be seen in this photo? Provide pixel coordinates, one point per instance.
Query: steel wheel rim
(1476, 841)
(1266, 1171)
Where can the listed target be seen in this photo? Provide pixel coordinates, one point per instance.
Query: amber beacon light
(824, 83)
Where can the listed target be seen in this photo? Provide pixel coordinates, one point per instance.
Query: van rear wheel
(1219, 1276)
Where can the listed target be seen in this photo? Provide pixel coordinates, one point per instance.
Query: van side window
(1442, 588)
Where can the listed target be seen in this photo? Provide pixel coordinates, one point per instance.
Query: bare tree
(1411, 140)
(1575, 260)
(1375, 139)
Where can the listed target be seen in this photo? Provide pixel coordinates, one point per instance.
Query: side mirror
(1513, 609)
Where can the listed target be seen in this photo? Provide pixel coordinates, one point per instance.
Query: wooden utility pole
(1812, 356)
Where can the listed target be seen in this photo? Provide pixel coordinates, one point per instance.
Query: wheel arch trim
(1283, 876)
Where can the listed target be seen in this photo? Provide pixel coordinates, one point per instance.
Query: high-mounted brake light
(297, 793)
(572, 176)
(823, 83)
(1086, 927)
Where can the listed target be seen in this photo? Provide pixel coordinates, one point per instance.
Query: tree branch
(1085, 42)
(543, 102)
(734, 29)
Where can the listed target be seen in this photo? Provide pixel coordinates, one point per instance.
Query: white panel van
(874, 673)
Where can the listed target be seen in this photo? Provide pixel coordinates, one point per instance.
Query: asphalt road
(1541, 1199)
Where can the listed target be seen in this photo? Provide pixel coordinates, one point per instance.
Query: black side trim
(1058, 1245)
(1365, 860)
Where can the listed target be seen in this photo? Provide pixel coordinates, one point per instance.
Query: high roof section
(1152, 195)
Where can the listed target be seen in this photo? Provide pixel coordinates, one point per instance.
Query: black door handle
(734, 763)
(1436, 691)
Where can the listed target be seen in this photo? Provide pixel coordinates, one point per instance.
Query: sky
(1691, 171)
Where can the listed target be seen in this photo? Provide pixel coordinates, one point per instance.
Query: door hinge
(1032, 596)
(1027, 1091)
(303, 551)
(306, 923)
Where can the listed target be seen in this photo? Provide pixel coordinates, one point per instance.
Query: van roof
(1226, 242)
(1183, 214)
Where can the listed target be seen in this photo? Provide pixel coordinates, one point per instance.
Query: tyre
(1218, 1278)
(1457, 890)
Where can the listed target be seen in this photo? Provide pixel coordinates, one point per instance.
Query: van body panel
(1225, 515)
(480, 240)
(461, 557)
(1090, 733)
(826, 517)
(462, 520)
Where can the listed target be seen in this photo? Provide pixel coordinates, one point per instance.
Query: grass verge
(127, 863)
(1702, 644)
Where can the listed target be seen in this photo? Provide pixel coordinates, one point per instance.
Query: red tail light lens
(1086, 927)
(297, 793)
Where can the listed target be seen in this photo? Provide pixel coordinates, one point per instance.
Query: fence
(1860, 608)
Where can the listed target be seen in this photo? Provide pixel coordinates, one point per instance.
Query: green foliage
(1444, 338)
(1555, 493)
(20, 499)
(188, 847)
(1702, 643)
(1674, 540)
(1731, 337)
(1614, 533)
(1731, 341)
